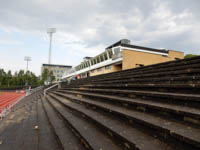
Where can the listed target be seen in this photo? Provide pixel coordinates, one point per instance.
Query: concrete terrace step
(145, 85)
(64, 134)
(168, 128)
(116, 128)
(127, 79)
(191, 100)
(94, 137)
(46, 135)
(172, 76)
(181, 88)
(163, 73)
(147, 105)
(180, 64)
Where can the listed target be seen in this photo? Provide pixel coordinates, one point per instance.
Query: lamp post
(27, 59)
(50, 31)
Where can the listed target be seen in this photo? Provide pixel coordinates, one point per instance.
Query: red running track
(7, 99)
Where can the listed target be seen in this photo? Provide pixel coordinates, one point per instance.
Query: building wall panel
(133, 59)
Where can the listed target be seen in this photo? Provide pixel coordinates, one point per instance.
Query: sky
(87, 27)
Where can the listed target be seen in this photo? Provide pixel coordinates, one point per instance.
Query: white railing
(45, 91)
(117, 55)
(30, 91)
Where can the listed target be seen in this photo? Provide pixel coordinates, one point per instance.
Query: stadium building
(120, 56)
(58, 70)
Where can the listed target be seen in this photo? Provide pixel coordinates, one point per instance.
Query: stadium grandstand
(154, 107)
(121, 56)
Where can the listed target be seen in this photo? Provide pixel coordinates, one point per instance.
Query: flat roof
(120, 43)
(87, 57)
(55, 65)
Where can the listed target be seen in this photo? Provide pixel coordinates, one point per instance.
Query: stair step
(129, 85)
(127, 79)
(65, 135)
(195, 97)
(155, 73)
(45, 130)
(170, 128)
(183, 111)
(142, 141)
(190, 100)
(180, 88)
(95, 138)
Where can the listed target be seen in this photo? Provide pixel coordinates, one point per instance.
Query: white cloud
(87, 27)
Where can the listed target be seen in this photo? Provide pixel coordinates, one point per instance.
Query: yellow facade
(133, 59)
(175, 54)
(106, 69)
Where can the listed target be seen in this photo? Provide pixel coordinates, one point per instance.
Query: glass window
(110, 53)
(97, 60)
(99, 69)
(101, 57)
(105, 56)
(108, 67)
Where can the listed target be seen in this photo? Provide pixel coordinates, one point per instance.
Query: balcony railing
(117, 55)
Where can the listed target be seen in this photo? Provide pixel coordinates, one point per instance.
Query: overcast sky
(87, 27)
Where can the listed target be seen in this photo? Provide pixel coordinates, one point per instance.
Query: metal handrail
(45, 91)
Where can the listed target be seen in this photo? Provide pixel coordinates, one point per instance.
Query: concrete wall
(132, 59)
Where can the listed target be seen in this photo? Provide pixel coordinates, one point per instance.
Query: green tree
(46, 73)
(190, 55)
(9, 78)
(18, 79)
(2, 77)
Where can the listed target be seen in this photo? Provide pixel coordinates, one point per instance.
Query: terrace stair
(154, 107)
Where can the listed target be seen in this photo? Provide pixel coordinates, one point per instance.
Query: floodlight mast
(27, 59)
(50, 31)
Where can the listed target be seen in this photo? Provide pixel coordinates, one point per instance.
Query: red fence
(8, 99)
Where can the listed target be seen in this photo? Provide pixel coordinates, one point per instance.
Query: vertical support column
(107, 54)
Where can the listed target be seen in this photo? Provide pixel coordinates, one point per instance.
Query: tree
(46, 73)
(2, 77)
(190, 55)
(18, 79)
(9, 78)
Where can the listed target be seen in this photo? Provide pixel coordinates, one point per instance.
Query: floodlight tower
(27, 59)
(50, 31)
